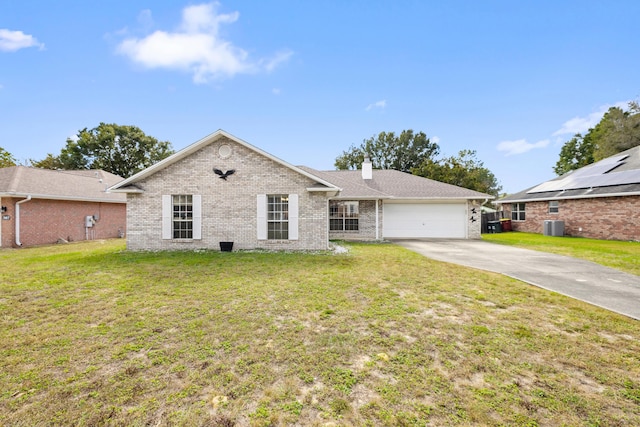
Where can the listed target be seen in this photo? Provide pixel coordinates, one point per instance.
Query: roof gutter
(61, 197)
(18, 242)
(581, 196)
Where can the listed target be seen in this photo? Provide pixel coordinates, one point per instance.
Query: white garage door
(424, 220)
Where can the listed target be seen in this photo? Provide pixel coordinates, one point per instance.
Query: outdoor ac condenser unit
(553, 228)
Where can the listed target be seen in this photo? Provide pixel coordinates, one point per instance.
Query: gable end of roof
(126, 184)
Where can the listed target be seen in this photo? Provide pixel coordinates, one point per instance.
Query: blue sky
(304, 81)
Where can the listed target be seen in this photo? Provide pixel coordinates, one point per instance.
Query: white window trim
(261, 216)
(556, 207)
(524, 210)
(344, 218)
(167, 217)
(293, 217)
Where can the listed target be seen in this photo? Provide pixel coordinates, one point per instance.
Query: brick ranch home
(223, 189)
(600, 200)
(41, 206)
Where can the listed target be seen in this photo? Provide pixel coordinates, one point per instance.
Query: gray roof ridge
(383, 176)
(359, 184)
(15, 179)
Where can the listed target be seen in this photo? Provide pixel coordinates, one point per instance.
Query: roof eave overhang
(66, 198)
(417, 199)
(580, 196)
(126, 190)
(330, 191)
(340, 197)
(479, 197)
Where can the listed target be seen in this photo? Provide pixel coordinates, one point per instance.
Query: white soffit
(600, 174)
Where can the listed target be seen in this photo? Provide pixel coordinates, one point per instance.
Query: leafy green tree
(390, 151)
(6, 159)
(122, 150)
(49, 162)
(617, 131)
(575, 153)
(463, 170)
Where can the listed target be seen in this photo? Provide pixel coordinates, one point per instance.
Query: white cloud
(10, 41)
(583, 124)
(270, 64)
(276, 91)
(379, 104)
(435, 139)
(520, 146)
(197, 47)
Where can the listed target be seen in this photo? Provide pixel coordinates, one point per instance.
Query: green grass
(623, 256)
(379, 336)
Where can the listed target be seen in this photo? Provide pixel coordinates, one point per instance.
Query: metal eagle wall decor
(224, 175)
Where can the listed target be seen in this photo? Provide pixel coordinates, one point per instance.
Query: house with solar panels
(600, 201)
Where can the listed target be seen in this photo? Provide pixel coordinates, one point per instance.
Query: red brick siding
(45, 221)
(608, 218)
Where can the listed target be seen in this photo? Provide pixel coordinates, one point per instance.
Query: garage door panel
(424, 220)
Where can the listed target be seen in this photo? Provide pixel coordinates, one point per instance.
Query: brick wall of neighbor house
(45, 221)
(366, 223)
(228, 207)
(609, 218)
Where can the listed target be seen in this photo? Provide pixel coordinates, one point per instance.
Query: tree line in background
(414, 153)
(121, 150)
(617, 131)
(126, 150)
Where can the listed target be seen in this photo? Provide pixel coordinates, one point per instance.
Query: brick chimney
(367, 168)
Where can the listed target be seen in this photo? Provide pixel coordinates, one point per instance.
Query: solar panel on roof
(596, 175)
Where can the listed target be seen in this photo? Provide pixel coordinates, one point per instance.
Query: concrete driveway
(601, 286)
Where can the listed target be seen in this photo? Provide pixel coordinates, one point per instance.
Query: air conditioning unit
(553, 228)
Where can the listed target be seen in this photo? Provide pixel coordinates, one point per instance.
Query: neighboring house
(41, 206)
(600, 200)
(223, 189)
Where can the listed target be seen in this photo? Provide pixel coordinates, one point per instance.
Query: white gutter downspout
(377, 222)
(18, 242)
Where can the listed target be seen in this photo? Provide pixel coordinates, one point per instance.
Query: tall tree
(617, 131)
(463, 170)
(6, 159)
(390, 151)
(575, 153)
(49, 162)
(122, 150)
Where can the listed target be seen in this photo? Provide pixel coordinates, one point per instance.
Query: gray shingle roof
(618, 175)
(85, 185)
(392, 184)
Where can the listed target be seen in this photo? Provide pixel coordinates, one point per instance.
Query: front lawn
(623, 256)
(91, 335)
